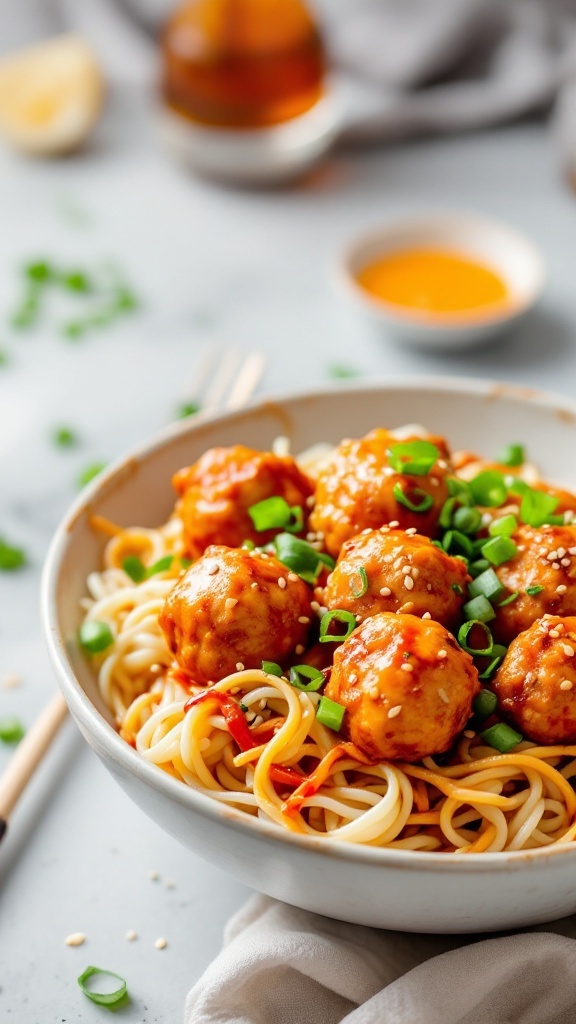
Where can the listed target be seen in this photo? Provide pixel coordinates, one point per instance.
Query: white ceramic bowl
(411, 891)
(496, 245)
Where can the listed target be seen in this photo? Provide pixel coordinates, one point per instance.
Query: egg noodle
(252, 741)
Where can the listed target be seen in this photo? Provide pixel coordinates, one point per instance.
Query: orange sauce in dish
(434, 281)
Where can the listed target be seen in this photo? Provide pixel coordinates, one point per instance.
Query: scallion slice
(489, 488)
(503, 527)
(479, 608)
(426, 501)
(11, 729)
(484, 704)
(88, 474)
(512, 455)
(337, 615)
(537, 507)
(497, 656)
(455, 542)
(464, 632)
(301, 557)
(508, 600)
(276, 514)
(330, 713)
(537, 589)
(272, 668)
(414, 458)
(501, 737)
(10, 557)
(134, 568)
(466, 520)
(65, 437)
(460, 489)
(95, 636)
(162, 565)
(363, 588)
(109, 999)
(487, 583)
(478, 566)
(499, 550)
(300, 673)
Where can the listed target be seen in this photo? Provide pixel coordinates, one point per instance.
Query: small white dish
(265, 156)
(513, 257)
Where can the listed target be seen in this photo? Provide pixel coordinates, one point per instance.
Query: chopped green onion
(479, 608)
(467, 520)
(74, 329)
(501, 737)
(109, 999)
(337, 615)
(455, 542)
(273, 513)
(243, 707)
(459, 489)
(487, 583)
(11, 730)
(248, 545)
(185, 563)
(96, 636)
(10, 557)
(330, 713)
(512, 455)
(414, 458)
(64, 437)
(457, 589)
(484, 704)
(499, 550)
(536, 507)
(363, 588)
(162, 565)
(340, 371)
(445, 517)
(301, 557)
(516, 486)
(298, 675)
(272, 668)
(75, 281)
(508, 600)
(464, 632)
(478, 567)
(134, 567)
(27, 314)
(489, 488)
(90, 472)
(188, 409)
(426, 500)
(537, 589)
(497, 655)
(40, 272)
(503, 527)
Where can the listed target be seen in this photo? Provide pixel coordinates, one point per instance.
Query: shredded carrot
(312, 782)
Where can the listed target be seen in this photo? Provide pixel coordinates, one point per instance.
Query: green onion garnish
(484, 704)
(426, 500)
(301, 557)
(457, 589)
(298, 675)
(479, 608)
(11, 729)
(134, 568)
(188, 409)
(330, 713)
(536, 507)
(362, 589)
(459, 489)
(445, 517)
(65, 437)
(489, 488)
(337, 615)
(512, 455)
(499, 550)
(498, 654)
(464, 632)
(508, 600)
(109, 999)
(415, 458)
(10, 557)
(537, 589)
(40, 272)
(487, 583)
(276, 514)
(341, 371)
(501, 737)
(455, 542)
(90, 472)
(162, 565)
(185, 563)
(96, 636)
(478, 567)
(503, 527)
(467, 520)
(272, 668)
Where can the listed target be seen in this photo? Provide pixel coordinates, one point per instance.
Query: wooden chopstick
(243, 378)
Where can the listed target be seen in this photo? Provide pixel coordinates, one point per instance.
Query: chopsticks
(227, 380)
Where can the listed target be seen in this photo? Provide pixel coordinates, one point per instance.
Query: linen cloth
(281, 965)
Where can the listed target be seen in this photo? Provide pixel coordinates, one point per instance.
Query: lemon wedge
(50, 96)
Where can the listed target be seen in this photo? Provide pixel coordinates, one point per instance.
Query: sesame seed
(554, 633)
(153, 876)
(131, 935)
(555, 565)
(394, 524)
(385, 591)
(560, 627)
(406, 570)
(561, 589)
(426, 615)
(352, 678)
(442, 654)
(76, 939)
(11, 681)
(304, 620)
(212, 567)
(310, 501)
(552, 556)
(384, 529)
(239, 666)
(160, 943)
(565, 562)
(572, 551)
(566, 684)
(411, 531)
(429, 587)
(315, 606)
(406, 667)
(561, 552)
(443, 695)
(442, 464)
(568, 650)
(293, 577)
(358, 618)
(397, 563)
(282, 583)
(405, 608)
(253, 586)
(262, 704)
(408, 582)
(310, 535)
(374, 692)
(415, 573)
(469, 734)
(170, 883)
(230, 603)
(395, 711)
(299, 649)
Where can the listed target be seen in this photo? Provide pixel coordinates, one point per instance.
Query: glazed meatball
(546, 558)
(406, 685)
(217, 491)
(355, 491)
(403, 572)
(234, 606)
(536, 683)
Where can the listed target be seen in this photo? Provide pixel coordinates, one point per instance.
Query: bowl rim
(495, 313)
(107, 739)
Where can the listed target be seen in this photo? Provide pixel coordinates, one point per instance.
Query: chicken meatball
(356, 491)
(406, 685)
(217, 491)
(536, 682)
(545, 559)
(233, 607)
(389, 570)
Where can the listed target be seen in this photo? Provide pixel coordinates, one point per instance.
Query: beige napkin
(281, 965)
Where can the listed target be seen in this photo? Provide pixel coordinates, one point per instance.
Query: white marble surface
(249, 268)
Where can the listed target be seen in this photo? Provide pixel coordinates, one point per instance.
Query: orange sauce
(434, 281)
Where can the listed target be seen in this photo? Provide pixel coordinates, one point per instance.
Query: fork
(225, 378)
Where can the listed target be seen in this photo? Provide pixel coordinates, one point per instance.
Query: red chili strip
(233, 715)
(286, 776)
(312, 782)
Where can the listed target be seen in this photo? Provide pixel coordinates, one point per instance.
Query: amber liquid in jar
(242, 63)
